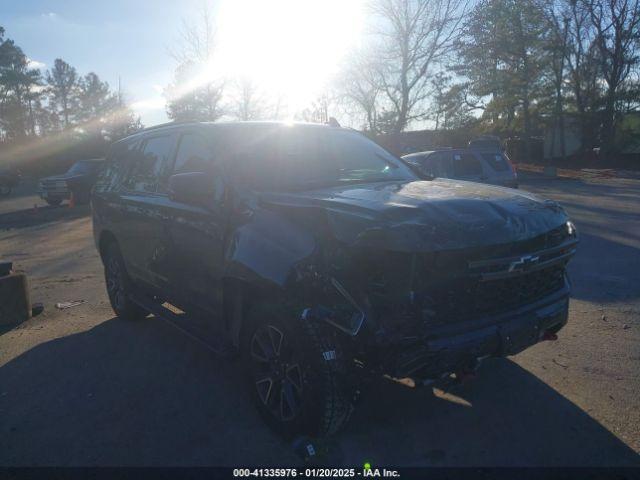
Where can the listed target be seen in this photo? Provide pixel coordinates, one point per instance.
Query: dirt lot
(80, 387)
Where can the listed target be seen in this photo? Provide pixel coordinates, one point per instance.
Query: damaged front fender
(266, 248)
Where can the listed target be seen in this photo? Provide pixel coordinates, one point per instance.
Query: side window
(116, 164)
(496, 160)
(429, 164)
(466, 164)
(439, 164)
(151, 163)
(194, 154)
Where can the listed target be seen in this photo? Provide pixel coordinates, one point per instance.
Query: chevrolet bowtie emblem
(523, 262)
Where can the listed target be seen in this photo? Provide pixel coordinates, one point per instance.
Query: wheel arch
(238, 296)
(106, 238)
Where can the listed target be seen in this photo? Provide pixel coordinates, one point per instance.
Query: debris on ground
(65, 305)
(560, 364)
(317, 451)
(36, 309)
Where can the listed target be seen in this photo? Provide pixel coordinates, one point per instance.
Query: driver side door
(196, 231)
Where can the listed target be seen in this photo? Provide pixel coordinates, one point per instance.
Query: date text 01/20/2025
(366, 472)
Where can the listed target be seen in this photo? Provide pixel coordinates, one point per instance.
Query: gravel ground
(80, 387)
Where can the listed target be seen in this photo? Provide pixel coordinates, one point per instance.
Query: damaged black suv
(323, 260)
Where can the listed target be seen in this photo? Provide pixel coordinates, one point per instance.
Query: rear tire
(54, 202)
(296, 373)
(119, 285)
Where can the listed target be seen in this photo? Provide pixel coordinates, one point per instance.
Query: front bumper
(459, 346)
(54, 195)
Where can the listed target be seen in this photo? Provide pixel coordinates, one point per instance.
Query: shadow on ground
(142, 394)
(31, 217)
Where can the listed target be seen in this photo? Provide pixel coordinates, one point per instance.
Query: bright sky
(289, 47)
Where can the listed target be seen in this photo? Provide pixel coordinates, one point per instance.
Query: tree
(357, 89)
(503, 55)
(414, 36)
(95, 99)
(189, 99)
(583, 72)
(558, 20)
(102, 113)
(62, 81)
(19, 88)
(196, 93)
(617, 24)
(449, 108)
(248, 102)
(121, 122)
(319, 109)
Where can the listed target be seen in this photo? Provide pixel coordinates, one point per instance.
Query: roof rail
(167, 124)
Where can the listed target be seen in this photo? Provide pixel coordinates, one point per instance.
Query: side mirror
(193, 188)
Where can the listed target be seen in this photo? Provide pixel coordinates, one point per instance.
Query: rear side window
(496, 160)
(151, 163)
(466, 164)
(194, 154)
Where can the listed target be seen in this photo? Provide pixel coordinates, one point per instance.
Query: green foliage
(62, 115)
(187, 100)
(18, 84)
(503, 55)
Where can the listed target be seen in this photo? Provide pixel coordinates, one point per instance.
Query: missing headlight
(344, 312)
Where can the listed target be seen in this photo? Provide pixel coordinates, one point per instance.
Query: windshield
(301, 157)
(79, 168)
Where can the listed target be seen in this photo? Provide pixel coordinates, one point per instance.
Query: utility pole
(119, 94)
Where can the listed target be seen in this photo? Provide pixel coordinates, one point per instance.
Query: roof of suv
(429, 152)
(241, 124)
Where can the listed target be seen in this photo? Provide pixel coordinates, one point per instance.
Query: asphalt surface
(80, 387)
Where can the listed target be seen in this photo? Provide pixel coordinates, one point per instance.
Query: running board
(213, 341)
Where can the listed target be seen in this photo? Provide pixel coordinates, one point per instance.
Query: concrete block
(15, 302)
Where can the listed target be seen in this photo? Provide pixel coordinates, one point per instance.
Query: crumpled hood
(426, 215)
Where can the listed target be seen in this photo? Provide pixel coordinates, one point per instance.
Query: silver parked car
(484, 166)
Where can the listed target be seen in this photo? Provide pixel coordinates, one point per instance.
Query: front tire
(296, 373)
(54, 202)
(119, 285)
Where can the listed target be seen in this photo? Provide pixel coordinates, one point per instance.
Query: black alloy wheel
(277, 373)
(119, 286)
(115, 283)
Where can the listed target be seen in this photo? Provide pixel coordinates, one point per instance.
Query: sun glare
(286, 47)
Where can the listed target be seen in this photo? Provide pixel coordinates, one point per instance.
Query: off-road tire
(54, 202)
(119, 285)
(326, 397)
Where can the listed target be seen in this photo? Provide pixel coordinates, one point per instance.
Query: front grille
(494, 285)
(469, 298)
(453, 286)
(53, 186)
